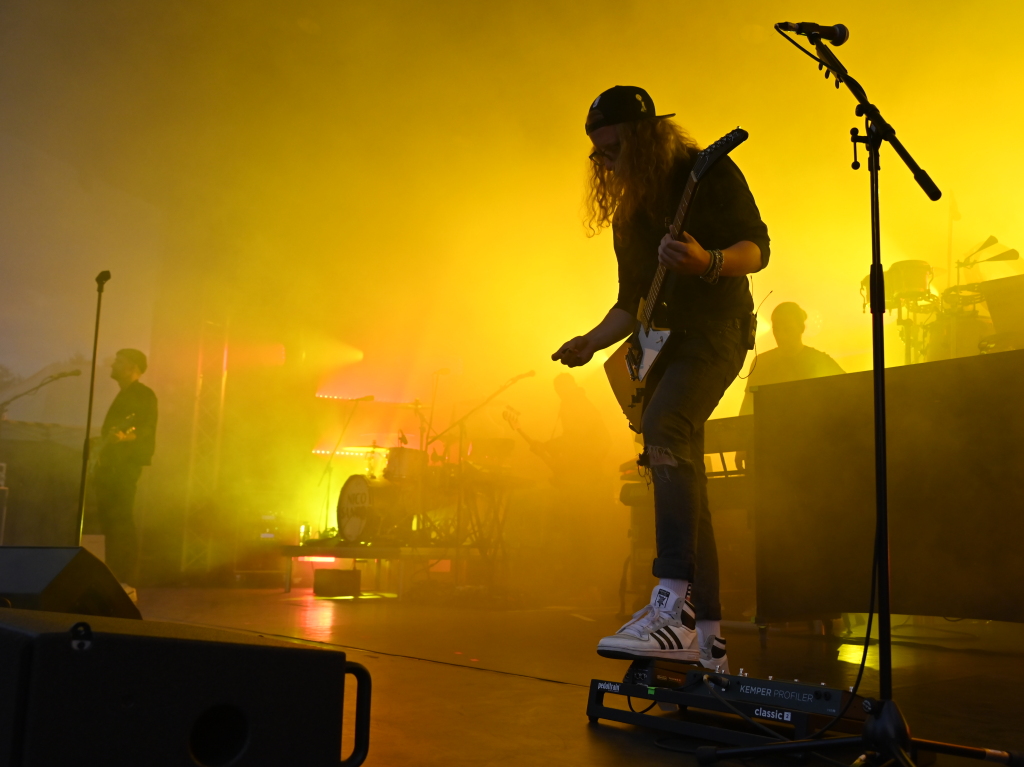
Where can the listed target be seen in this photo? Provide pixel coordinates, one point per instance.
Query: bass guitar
(629, 365)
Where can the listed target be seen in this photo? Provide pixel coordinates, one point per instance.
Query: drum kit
(453, 497)
(411, 504)
(957, 323)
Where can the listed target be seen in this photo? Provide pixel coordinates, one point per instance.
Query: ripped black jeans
(701, 363)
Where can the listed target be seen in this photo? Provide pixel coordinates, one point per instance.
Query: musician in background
(790, 360)
(583, 444)
(641, 163)
(128, 438)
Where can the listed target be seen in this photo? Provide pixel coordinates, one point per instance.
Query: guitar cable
(754, 363)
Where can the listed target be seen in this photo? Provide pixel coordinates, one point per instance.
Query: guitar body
(628, 367)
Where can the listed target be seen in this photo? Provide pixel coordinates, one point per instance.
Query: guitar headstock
(716, 151)
(511, 415)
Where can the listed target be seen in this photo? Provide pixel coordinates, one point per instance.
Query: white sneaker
(666, 628)
(713, 656)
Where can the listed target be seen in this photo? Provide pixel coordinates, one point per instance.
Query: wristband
(714, 267)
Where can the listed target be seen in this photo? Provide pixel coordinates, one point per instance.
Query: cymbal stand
(329, 468)
(969, 263)
(461, 424)
(886, 736)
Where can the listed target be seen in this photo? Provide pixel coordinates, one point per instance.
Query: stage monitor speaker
(59, 579)
(336, 583)
(109, 692)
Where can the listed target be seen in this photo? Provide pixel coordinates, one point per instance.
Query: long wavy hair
(649, 149)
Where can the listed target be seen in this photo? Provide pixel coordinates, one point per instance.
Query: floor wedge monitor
(108, 692)
(60, 579)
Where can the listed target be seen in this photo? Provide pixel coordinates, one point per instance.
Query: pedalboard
(707, 705)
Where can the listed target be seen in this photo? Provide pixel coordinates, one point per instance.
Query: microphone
(836, 34)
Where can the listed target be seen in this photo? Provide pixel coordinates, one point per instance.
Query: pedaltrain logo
(610, 686)
(779, 716)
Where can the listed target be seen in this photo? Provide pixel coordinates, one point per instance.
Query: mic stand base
(886, 738)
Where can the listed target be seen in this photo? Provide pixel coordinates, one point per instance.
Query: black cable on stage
(400, 655)
(629, 702)
(663, 743)
(867, 645)
(749, 720)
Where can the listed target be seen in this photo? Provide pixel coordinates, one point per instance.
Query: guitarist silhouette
(683, 253)
(128, 438)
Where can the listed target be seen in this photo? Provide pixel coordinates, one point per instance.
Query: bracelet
(714, 268)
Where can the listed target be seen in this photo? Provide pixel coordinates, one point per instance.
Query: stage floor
(473, 686)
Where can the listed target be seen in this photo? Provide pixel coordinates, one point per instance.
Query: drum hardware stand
(460, 424)
(329, 468)
(886, 735)
(436, 375)
(101, 280)
(911, 331)
(969, 262)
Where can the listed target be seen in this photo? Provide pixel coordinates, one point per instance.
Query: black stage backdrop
(955, 492)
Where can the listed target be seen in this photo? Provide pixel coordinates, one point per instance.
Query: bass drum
(369, 510)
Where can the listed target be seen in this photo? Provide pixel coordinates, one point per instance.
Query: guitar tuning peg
(837, 83)
(827, 73)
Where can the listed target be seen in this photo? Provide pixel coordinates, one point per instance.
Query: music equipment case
(110, 692)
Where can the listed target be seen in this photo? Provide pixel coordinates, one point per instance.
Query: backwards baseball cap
(621, 104)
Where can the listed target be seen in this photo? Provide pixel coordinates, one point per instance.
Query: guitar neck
(654, 294)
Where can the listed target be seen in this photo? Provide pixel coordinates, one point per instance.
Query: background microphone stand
(101, 279)
(329, 468)
(45, 382)
(886, 736)
(460, 424)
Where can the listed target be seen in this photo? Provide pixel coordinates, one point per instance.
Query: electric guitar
(629, 365)
(127, 431)
(511, 416)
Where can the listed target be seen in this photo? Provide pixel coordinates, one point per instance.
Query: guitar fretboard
(659, 276)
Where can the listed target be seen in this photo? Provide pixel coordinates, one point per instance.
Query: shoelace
(641, 623)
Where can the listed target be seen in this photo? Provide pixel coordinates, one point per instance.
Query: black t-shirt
(722, 214)
(133, 407)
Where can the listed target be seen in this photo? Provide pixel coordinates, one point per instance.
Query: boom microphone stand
(886, 735)
(101, 279)
(329, 468)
